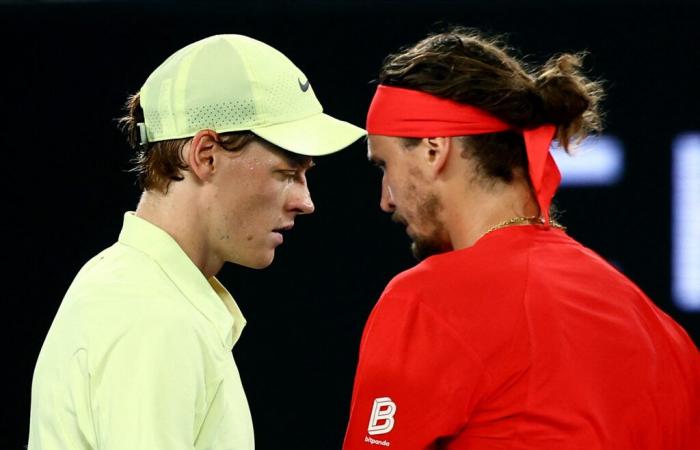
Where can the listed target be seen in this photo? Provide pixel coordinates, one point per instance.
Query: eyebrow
(376, 161)
(299, 161)
(295, 160)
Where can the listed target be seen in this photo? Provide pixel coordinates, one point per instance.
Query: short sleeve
(416, 379)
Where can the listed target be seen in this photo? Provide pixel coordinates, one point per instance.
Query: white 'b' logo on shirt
(382, 419)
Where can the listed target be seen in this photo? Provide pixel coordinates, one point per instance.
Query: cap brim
(317, 135)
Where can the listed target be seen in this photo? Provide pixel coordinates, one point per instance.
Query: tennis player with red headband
(512, 335)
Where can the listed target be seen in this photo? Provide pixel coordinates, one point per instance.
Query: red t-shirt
(526, 340)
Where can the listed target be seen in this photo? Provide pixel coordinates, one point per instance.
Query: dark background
(69, 67)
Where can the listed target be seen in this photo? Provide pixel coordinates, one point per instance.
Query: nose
(387, 201)
(300, 201)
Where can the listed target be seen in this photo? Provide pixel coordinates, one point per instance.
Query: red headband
(403, 112)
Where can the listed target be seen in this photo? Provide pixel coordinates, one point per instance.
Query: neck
(485, 207)
(174, 215)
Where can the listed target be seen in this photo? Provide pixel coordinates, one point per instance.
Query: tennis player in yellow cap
(139, 353)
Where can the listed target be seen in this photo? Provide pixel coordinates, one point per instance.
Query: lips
(279, 232)
(284, 228)
(398, 218)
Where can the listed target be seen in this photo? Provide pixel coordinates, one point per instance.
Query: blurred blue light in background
(686, 221)
(596, 161)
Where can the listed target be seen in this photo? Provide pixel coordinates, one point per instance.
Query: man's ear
(436, 152)
(200, 156)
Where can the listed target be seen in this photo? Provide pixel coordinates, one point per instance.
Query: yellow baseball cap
(232, 82)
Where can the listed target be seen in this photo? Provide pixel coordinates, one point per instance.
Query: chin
(424, 248)
(261, 262)
(264, 265)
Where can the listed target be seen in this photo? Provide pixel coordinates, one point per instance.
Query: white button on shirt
(139, 355)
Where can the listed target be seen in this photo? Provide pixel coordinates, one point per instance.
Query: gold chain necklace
(520, 220)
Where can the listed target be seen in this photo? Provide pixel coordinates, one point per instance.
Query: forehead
(276, 154)
(382, 147)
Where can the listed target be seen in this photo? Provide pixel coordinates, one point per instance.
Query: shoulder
(479, 291)
(116, 265)
(122, 290)
(470, 273)
(121, 277)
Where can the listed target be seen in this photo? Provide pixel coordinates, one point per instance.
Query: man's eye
(290, 175)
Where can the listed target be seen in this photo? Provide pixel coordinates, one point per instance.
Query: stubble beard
(435, 242)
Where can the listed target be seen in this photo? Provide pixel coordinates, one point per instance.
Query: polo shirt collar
(209, 297)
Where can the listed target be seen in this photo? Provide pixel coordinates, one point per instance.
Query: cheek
(408, 198)
(259, 209)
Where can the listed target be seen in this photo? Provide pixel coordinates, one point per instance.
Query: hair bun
(466, 67)
(563, 91)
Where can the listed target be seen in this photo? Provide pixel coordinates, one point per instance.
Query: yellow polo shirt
(139, 355)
